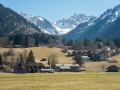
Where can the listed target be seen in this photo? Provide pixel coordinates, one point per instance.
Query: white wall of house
(85, 58)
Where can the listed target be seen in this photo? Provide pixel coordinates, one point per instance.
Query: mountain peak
(71, 23)
(42, 23)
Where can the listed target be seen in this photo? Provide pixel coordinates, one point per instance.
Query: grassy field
(60, 81)
(44, 52)
(92, 79)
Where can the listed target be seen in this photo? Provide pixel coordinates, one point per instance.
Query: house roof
(82, 68)
(70, 65)
(113, 66)
(64, 67)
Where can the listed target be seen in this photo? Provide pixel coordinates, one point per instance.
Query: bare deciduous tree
(25, 54)
(4, 55)
(53, 59)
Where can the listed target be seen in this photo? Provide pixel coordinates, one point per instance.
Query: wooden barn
(113, 68)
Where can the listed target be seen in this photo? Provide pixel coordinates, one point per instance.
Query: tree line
(36, 39)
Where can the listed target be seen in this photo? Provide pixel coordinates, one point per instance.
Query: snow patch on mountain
(96, 26)
(65, 25)
(41, 18)
(25, 15)
(62, 31)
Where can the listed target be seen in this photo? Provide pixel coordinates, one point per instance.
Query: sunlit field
(60, 81)
(43, 52)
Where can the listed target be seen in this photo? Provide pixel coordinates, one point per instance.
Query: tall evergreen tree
(30, 57)
(21, 58)
(0, 59)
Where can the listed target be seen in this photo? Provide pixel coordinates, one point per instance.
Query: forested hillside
(11, 22)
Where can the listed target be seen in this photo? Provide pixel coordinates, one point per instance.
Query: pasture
(60, 81)
(44, 52)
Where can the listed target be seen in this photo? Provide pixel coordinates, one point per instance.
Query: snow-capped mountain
(107, 25)
(65, 25)
(42, 23)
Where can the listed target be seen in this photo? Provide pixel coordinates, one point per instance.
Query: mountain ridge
(97, 27)
(59, 27)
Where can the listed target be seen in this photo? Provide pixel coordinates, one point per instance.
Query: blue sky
(54, 10)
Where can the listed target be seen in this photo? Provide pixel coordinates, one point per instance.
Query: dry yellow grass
(96, 66)
(44, 52)
(60, 81)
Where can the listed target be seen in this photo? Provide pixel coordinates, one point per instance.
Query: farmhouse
(32, 67)
(113, 68)
(66, 67)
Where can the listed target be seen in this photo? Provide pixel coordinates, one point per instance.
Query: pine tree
(0, 59)
(31, 57)
(21, 58)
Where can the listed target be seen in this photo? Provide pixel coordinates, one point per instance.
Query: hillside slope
(44, 52)
(12, 22)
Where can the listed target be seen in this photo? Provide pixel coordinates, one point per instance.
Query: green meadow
(60, 81)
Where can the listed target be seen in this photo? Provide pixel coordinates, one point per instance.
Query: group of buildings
(41, 68)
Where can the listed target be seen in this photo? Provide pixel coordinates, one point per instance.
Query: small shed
(113, 68)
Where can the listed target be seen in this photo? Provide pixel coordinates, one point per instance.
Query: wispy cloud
(109, 1)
